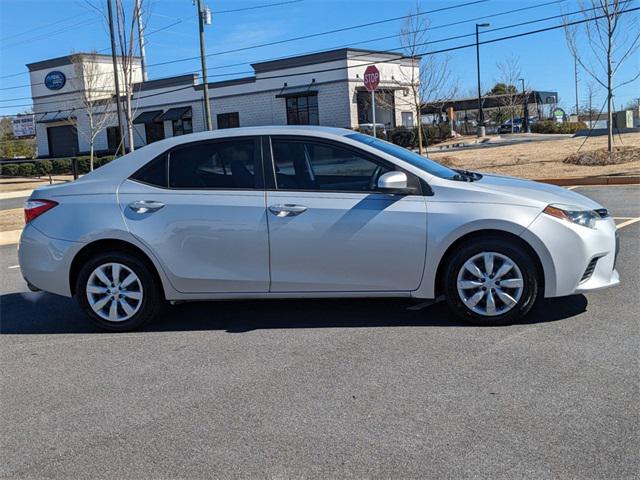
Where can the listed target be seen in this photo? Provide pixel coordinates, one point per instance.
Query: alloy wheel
(114, 292)
(490, 284)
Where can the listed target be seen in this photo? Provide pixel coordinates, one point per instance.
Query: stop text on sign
(371, 78)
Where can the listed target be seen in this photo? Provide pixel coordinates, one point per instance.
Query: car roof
(259, 130)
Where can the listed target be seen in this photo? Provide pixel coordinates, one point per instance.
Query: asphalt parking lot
(317, 389)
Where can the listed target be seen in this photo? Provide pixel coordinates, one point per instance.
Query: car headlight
(586, 218)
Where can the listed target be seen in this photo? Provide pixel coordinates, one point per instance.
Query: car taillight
(35, 208)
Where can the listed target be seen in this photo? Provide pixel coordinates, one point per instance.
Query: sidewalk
(15, 194)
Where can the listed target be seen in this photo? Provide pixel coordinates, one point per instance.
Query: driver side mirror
(394, 182)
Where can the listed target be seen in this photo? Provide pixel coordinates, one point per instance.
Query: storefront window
(154, 131)
(303, 110)
(182, 126)
(228, 120)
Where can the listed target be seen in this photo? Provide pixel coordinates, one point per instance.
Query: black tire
(152, 299)
(518, 254)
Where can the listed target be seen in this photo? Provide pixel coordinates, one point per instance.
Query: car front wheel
(118, 291)
(491, 282)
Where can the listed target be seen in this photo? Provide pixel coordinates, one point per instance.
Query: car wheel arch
(111, 244)
(470, 236)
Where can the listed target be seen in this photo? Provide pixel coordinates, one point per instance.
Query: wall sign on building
(55, 80)
(23, 126)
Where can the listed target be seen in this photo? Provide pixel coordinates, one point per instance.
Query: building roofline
(188, 79)
(228, 83)
(321, 57)
(67, 60)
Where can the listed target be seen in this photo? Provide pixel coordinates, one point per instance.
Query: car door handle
(287, 210)
(145, 206)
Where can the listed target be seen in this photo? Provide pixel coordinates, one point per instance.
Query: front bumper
(45, 262)
(575, 259)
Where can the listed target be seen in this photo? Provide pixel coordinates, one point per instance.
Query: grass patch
(602, 156)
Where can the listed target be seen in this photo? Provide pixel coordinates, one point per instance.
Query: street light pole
(203, 60)
(480, 112)
(525, 110)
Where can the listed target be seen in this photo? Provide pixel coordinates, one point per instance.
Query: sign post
(371, 81)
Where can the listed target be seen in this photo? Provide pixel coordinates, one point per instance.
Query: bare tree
(591, 90)
(429, 78)
(603, 43)
(510, 75)
(126, 29)
(95, 98)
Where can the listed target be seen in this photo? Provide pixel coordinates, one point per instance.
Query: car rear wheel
(491, 282)
(118, 291)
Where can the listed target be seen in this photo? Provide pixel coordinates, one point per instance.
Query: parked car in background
(505, 127)
(295, 212)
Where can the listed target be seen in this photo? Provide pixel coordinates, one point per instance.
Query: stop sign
(371, 78)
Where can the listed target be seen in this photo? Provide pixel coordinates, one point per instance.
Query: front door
(201, 210)
(331, 231)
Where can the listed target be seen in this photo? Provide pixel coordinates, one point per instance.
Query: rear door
(330, 229)
(201, 209)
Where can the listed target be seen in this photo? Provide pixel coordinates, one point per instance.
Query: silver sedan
(290, 212)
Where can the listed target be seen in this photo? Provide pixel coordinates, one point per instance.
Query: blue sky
(32, 30)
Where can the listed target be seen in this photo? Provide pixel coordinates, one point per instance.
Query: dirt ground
(18, 183)
(540, 160)
(12, 219)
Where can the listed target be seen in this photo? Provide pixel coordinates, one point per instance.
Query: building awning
(175, 114)
(148, 117)
(298, 91)
(55, 117)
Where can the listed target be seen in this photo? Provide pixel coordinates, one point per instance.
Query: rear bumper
(45, 262)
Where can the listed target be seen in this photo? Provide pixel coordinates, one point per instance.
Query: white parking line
(627, 223)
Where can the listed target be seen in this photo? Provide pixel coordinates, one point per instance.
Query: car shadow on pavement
(42, 313)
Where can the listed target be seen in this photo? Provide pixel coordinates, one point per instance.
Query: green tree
(11, 146)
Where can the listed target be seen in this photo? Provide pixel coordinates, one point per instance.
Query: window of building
(229, 120)
(385, 107)
(302, 110)
(182, 126)
(227, 164)
(307, 165)
(154, 131)
(407, 119)
(113, 138)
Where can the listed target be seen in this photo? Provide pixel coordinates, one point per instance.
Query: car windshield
(429, 166)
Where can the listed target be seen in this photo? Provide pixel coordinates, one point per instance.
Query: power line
(433, 52)
(39, 28)
(256, 7)
(431, 42)
(304, 37)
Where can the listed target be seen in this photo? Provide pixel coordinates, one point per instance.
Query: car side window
(224, 164)
(309, 165)
(153, 173)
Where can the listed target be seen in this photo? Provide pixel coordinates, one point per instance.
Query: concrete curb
(604, 180)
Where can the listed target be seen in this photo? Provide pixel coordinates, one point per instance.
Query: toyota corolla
(290, 212)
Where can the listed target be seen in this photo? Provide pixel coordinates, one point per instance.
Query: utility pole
(116, 78)
(203, 60)
(143, 57)
(525, 111)
(481, 131)
(575, 75)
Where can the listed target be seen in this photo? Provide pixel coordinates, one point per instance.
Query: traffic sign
(371, 78)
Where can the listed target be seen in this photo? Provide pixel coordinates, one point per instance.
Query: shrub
(403, 136)
(26, 169)
(61, 166)
(433, 133)
(9, 169)
(549, 126)
(43, 167)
